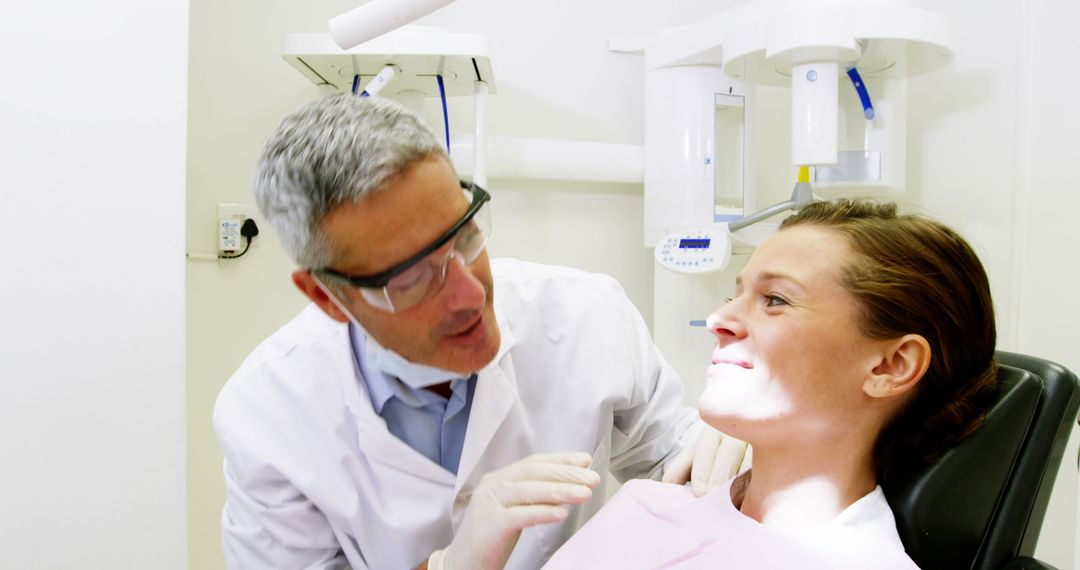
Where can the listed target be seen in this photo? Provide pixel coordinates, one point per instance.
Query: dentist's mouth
(471, 332)
(470, 326)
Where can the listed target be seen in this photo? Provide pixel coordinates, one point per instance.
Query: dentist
(430, 407)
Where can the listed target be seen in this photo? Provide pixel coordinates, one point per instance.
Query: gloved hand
(525, 493)
(715, 458)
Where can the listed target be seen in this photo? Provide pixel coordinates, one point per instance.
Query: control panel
(700, 250)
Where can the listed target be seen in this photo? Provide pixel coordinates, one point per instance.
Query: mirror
(729, 177)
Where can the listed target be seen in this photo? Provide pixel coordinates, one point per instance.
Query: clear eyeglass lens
(469, 243)
(412, 286)
(426, 277)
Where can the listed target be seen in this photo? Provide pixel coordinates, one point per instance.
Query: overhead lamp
(378, 17)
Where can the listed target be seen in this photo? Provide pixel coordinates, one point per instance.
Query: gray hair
(335, 150)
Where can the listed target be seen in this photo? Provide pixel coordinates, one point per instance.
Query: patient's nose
(725, 325)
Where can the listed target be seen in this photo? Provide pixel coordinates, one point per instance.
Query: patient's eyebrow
(773, 276)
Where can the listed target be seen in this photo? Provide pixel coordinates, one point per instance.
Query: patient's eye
(774, 300)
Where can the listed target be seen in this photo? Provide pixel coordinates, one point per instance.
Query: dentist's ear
(902, 365)
(314, 289)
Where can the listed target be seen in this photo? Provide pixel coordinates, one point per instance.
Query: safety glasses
(419, 277)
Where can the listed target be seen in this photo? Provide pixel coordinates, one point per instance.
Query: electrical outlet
(231, 217)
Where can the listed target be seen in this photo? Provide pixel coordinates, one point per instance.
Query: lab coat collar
(496, 394)
(506, 336)
(373, 438)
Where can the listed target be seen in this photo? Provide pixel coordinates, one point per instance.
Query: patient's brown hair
(915, 275)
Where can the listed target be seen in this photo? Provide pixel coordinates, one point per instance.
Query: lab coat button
(462, 499)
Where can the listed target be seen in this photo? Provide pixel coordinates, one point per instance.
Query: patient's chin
(724, 405)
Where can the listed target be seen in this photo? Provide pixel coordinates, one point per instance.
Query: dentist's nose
(463, 289)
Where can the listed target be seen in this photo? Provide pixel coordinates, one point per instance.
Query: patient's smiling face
(790, 359)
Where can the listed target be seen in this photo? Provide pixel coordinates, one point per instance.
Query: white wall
(92, 130)
(995, 159)
(1048, 202)
(579, 229)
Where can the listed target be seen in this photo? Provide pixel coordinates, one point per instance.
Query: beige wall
(235, 97)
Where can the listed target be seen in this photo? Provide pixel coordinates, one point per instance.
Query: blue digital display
(699, 243)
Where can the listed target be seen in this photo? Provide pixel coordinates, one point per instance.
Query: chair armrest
(1025, 563)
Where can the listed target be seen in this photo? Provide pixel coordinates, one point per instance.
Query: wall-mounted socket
(231, 217)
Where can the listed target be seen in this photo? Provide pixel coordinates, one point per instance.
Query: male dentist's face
(455, 328)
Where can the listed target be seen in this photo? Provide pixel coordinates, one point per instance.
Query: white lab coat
(315, 480)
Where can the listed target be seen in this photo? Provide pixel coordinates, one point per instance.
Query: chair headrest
(944, 511)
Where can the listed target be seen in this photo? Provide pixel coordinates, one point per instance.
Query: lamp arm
(801, 196)
(761, 215)
(378, 17)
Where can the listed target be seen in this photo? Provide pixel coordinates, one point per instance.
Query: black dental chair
(981, 506)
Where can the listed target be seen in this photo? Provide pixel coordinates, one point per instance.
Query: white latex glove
(525, 493)
(715, 458)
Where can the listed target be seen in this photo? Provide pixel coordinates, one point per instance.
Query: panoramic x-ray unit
(846, 63)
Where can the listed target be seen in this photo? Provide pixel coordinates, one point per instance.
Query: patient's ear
(903, 363)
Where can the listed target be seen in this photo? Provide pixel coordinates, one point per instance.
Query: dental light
(378, 17)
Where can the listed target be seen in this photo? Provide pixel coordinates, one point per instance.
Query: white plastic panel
(701, 250)
(419, 53)
(814, 92)
(681, 151)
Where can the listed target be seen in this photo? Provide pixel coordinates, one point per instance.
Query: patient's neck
(803, 488)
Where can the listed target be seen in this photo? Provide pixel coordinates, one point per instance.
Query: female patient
(858, 341)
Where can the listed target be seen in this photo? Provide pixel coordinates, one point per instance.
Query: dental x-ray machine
(846, 62)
